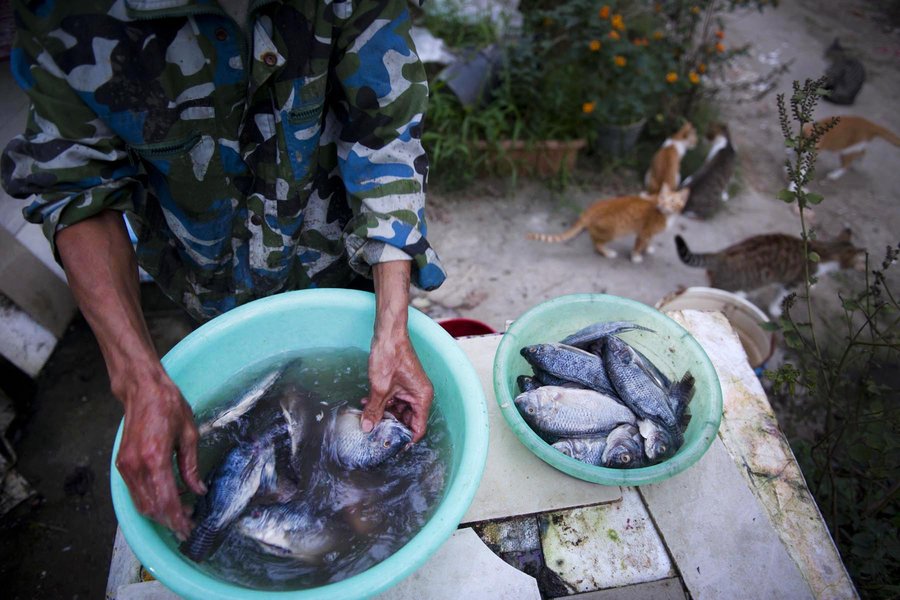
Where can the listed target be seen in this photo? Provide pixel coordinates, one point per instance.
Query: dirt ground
(60, 546)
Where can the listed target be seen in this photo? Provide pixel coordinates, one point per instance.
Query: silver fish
(659, 442)
(352, 448)
(569, 363)
(295, 408)
(247, 468)
(290, 530)
(583, 338)
(586, 449)
(635, 387)
(571, 412)
(242, 406)
(624, 449)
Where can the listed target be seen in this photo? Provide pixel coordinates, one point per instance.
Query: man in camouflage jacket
(249, 161)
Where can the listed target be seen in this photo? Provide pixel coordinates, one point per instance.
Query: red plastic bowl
(461, 327)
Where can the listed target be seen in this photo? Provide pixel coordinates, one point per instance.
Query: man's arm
(102, 271)
(396, 378)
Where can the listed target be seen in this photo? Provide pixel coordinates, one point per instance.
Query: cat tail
(888, 135)
(565, 236)
(688, 257)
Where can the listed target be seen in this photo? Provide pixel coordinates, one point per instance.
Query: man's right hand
(158, 422)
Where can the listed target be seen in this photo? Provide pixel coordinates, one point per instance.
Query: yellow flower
(695, 9)
(671, 76)
(617, 22)
(695, 79)
(720, 47)
(594, 45)
(614, 35)
(702, 67)
(587, 108)
(604, 12)
(620, 61)
(657, 35)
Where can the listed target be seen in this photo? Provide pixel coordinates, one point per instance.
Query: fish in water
(247, 468)
(290, 530)
(624, 448)
(635, 387)
(586, 449)
(583, 338)
(568, 412)
(352, 448)
(569, 363)
(244, 404)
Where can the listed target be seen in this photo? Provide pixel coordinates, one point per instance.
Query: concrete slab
(719, 535)
(148, 590)
(751, 434)
(514, 535)
(465, 568)
(664, 589)
(23, 341)
(515, 481)
(605, 546)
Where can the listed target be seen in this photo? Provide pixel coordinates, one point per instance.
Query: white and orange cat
(849, 138)
(666, 164)
(606, 220)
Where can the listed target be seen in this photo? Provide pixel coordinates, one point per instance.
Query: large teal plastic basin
(315, 319)
(671, 348)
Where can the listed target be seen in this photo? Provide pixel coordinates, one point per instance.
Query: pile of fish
(599, 400)
(270, 486)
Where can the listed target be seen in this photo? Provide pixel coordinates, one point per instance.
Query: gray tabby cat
(709, 184)
(772, 258)
(845, 75)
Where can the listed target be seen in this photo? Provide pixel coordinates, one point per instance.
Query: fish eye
(531, 411)
(386, 443)
(663, 448)
(625, 459)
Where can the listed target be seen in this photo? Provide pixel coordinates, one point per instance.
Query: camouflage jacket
(245, 166)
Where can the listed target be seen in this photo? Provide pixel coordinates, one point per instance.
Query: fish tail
(688, 257)
(565, 236)
(202, 542)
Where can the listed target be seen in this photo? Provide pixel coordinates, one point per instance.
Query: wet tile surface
(515, 481)
(664, 589)
(605, 546)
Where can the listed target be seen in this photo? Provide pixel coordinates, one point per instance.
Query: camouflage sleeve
(68, 165)
(380, 154)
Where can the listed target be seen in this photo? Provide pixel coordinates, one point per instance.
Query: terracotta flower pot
(544, 158)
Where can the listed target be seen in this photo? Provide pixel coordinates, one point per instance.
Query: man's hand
(102, 272)
(396, 378)
(158, 422)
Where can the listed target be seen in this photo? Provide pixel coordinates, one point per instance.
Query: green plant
(852, 464)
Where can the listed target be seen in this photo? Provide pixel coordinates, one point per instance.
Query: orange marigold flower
(620, 61)
(587, 108)
(720, 34)
(604, 12)
(657, 35)
(671, 76)
(695, 79)
(702, 67)
(617, 22)
(720, 47)
(614, 35)
(657, 7)
(695, 9)
(594, 45)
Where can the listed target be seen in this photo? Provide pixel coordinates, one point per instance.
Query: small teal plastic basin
(672, 349)
(288, 322)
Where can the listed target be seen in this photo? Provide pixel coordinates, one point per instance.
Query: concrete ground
(60, 547)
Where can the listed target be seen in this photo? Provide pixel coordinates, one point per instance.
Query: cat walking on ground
(771, 258)
(606, 220)
(666, 164)
(709, 183)
(849, 138)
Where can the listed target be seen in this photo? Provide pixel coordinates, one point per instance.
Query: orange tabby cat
(606, 220)
(849, 139)
(666, 164)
